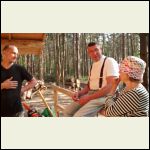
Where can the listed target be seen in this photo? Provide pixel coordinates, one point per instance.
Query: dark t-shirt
(10, 98)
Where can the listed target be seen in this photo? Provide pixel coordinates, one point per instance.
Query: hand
(75, 97)
(83, 100)
(102, 112)
(9, 84)
(115, 83)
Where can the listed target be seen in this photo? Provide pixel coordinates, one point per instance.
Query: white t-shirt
(111, 68)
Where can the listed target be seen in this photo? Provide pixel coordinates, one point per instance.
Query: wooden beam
(23, 36)
(44, 36)
(9, 36)
(57, 89)
(22, 43)
(56, 102)
(32, 50)
(62, 90)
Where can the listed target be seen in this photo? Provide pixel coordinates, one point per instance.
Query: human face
(123, 76)
(10, 55)
(94, 52)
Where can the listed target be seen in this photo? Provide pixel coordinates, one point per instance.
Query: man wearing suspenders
(91, 98)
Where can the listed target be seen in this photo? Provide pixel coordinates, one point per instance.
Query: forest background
(65, 54)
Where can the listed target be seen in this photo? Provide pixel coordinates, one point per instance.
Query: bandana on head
(133, 66)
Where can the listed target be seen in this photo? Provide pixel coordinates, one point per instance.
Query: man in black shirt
(12, 76)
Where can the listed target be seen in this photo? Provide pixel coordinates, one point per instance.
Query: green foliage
(84, 79)
(50, 78)
(136, 53)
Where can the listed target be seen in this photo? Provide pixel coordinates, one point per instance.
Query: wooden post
(57, 89)
(45, 103)
(56, 102)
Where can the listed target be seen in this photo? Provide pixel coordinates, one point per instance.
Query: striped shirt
(133, 103)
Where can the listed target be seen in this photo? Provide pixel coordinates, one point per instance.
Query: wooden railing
(57, 89)
(67, 92)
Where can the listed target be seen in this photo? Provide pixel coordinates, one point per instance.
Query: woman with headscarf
(133, 100)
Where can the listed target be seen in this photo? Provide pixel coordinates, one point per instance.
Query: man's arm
(77, 95)
(84, 91)
(29, 86)
(102, 92)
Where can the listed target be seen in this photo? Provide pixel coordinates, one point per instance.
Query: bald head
(9, 47)
(9, 54)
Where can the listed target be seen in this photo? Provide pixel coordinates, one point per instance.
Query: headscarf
(133, 66)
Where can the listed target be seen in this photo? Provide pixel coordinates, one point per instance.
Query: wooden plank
(33, 50)
(60, 107)
(45, 103)
(24, 36)
(56, 102)
(62, 90)
(57, 89)
(9, 36)
(22, 43)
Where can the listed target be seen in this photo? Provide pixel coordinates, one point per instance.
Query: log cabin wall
(27, 43)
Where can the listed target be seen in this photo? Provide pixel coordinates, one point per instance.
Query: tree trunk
(145, 55)
(78, 56)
